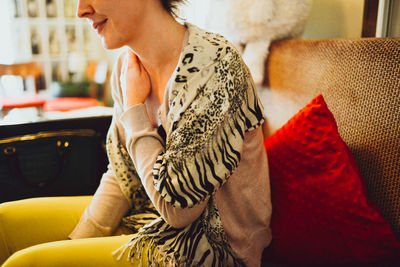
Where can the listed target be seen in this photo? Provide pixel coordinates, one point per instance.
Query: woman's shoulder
(204, 55)
(205, 47)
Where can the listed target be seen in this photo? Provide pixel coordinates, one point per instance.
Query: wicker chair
(360, 81)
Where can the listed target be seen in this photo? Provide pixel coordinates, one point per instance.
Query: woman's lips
(99, 26)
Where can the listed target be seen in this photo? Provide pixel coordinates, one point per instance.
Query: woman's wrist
(132, 102)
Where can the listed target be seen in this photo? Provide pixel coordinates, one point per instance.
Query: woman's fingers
(135, 80)
(132, 60)
(134, 67)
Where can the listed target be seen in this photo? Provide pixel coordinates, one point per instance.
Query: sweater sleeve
(144, 145)
(104, 213)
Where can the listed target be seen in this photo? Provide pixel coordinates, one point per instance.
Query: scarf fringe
(155, 255)
(161, 252)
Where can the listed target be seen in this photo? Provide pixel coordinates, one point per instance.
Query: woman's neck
(159, 49)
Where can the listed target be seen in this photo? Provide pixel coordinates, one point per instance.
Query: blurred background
(48, 33)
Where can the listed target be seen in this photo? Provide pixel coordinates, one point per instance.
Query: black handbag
(56, 163)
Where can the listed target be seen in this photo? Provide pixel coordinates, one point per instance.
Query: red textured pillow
(321, 213)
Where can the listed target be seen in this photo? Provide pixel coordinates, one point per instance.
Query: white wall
(394, 20)
(194, 11)
(335, 19)
(6, 48)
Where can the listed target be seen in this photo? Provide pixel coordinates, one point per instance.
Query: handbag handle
(11, 154)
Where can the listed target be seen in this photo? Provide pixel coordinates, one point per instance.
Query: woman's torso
(244, 200)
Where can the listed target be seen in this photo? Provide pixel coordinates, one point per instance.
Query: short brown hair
(171, 5)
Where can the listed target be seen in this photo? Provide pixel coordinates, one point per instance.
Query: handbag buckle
(59, 144)
(9, 150)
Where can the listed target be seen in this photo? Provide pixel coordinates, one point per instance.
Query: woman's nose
(84, 9)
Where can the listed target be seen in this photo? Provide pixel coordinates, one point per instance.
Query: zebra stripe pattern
(205, 146)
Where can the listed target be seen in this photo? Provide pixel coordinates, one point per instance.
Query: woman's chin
(109, 44)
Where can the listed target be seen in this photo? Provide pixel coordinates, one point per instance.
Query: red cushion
(321, 213)
(69, 103)
(21, 102)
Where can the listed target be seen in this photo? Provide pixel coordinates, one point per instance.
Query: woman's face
(117, 22)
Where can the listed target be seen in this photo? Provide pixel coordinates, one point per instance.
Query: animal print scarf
(212, 104)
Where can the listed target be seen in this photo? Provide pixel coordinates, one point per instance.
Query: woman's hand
(135, 81)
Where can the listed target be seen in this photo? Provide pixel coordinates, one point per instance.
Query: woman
(185, 149)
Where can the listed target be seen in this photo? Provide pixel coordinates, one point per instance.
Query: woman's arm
(103, 215)
(142, 140)
(144, 145)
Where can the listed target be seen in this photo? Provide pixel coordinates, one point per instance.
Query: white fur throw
(251, 25)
